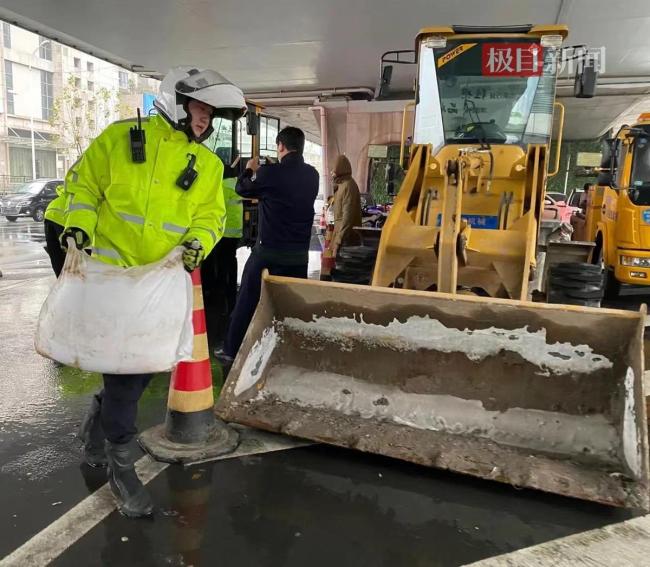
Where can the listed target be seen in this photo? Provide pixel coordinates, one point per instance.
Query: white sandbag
(104, 318)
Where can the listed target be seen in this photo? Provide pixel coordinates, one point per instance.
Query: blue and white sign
(488, 222)
(646, 216)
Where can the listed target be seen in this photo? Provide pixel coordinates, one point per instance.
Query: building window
(90, 66)
(6, 35)
(77, 82)
(124, 80)
(44, 48)
(9, 87)
(20, 161)
(91, 86)
(77, 63)
(47, 94)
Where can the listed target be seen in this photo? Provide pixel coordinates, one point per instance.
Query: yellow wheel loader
(535, 395)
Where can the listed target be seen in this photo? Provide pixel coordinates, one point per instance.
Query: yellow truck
(617, 211)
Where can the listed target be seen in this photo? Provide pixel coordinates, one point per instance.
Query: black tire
(354, 264)
(39, 214)
(576, 283)
(612, 286)
(12, 219)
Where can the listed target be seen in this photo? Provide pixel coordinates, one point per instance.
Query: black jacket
(286, 191)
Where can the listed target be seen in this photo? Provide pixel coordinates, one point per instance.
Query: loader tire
(574, 283)
(354, 265)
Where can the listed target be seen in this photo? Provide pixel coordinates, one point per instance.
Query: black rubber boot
(134, 500)
(92, 435)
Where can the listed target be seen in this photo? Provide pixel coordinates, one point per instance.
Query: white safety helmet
(182, 84)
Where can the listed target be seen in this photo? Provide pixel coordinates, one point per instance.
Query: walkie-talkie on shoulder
(138, 141)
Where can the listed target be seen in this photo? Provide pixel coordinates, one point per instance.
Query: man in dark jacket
(286, 192)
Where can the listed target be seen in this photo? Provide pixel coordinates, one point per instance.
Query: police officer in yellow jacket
(53, 226)
(135, 194)
(219, 271)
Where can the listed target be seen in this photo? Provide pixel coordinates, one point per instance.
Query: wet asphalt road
(317, 505)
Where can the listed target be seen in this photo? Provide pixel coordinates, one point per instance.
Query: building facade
(68, 95)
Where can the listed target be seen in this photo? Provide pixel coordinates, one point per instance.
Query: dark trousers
(53, 232)
(249, 295)
(219, 278)
(119, 402)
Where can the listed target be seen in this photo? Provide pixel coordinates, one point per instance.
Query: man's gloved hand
(193, 255)
(80, 238)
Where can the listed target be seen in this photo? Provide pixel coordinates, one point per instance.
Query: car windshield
(30, 188)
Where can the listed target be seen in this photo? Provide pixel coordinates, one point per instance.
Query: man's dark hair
(292, 138)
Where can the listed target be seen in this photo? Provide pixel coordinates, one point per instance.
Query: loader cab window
(639, 191)
(244, 143)
(269, 128)
(489, 90)
(222, 140)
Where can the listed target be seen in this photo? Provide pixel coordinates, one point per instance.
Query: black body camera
(189, 174)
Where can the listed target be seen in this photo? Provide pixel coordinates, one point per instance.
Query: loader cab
(233, 139)
(223, 142)
(235, 142)
(484, 116)
(479, 89)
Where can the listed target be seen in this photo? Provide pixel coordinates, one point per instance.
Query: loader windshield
(488, 90)
(221, 141)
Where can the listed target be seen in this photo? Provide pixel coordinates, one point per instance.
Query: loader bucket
(535, 395)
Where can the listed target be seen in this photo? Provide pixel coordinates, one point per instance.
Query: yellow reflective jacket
(234, 210)
(134, 213)
(55, 211)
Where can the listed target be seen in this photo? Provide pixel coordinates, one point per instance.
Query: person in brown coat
(346, 206)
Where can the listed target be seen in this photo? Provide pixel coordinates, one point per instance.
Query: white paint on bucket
(477, 344)
(256, 361)
(536, 430)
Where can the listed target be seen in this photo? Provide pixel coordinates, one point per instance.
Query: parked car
(29, 200)
(557, 196)
(555, 209)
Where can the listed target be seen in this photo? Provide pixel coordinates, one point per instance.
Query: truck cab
(618, 207)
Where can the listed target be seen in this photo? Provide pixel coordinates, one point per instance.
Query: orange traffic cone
(191, 431)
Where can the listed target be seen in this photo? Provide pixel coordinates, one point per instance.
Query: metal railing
(9, 182)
